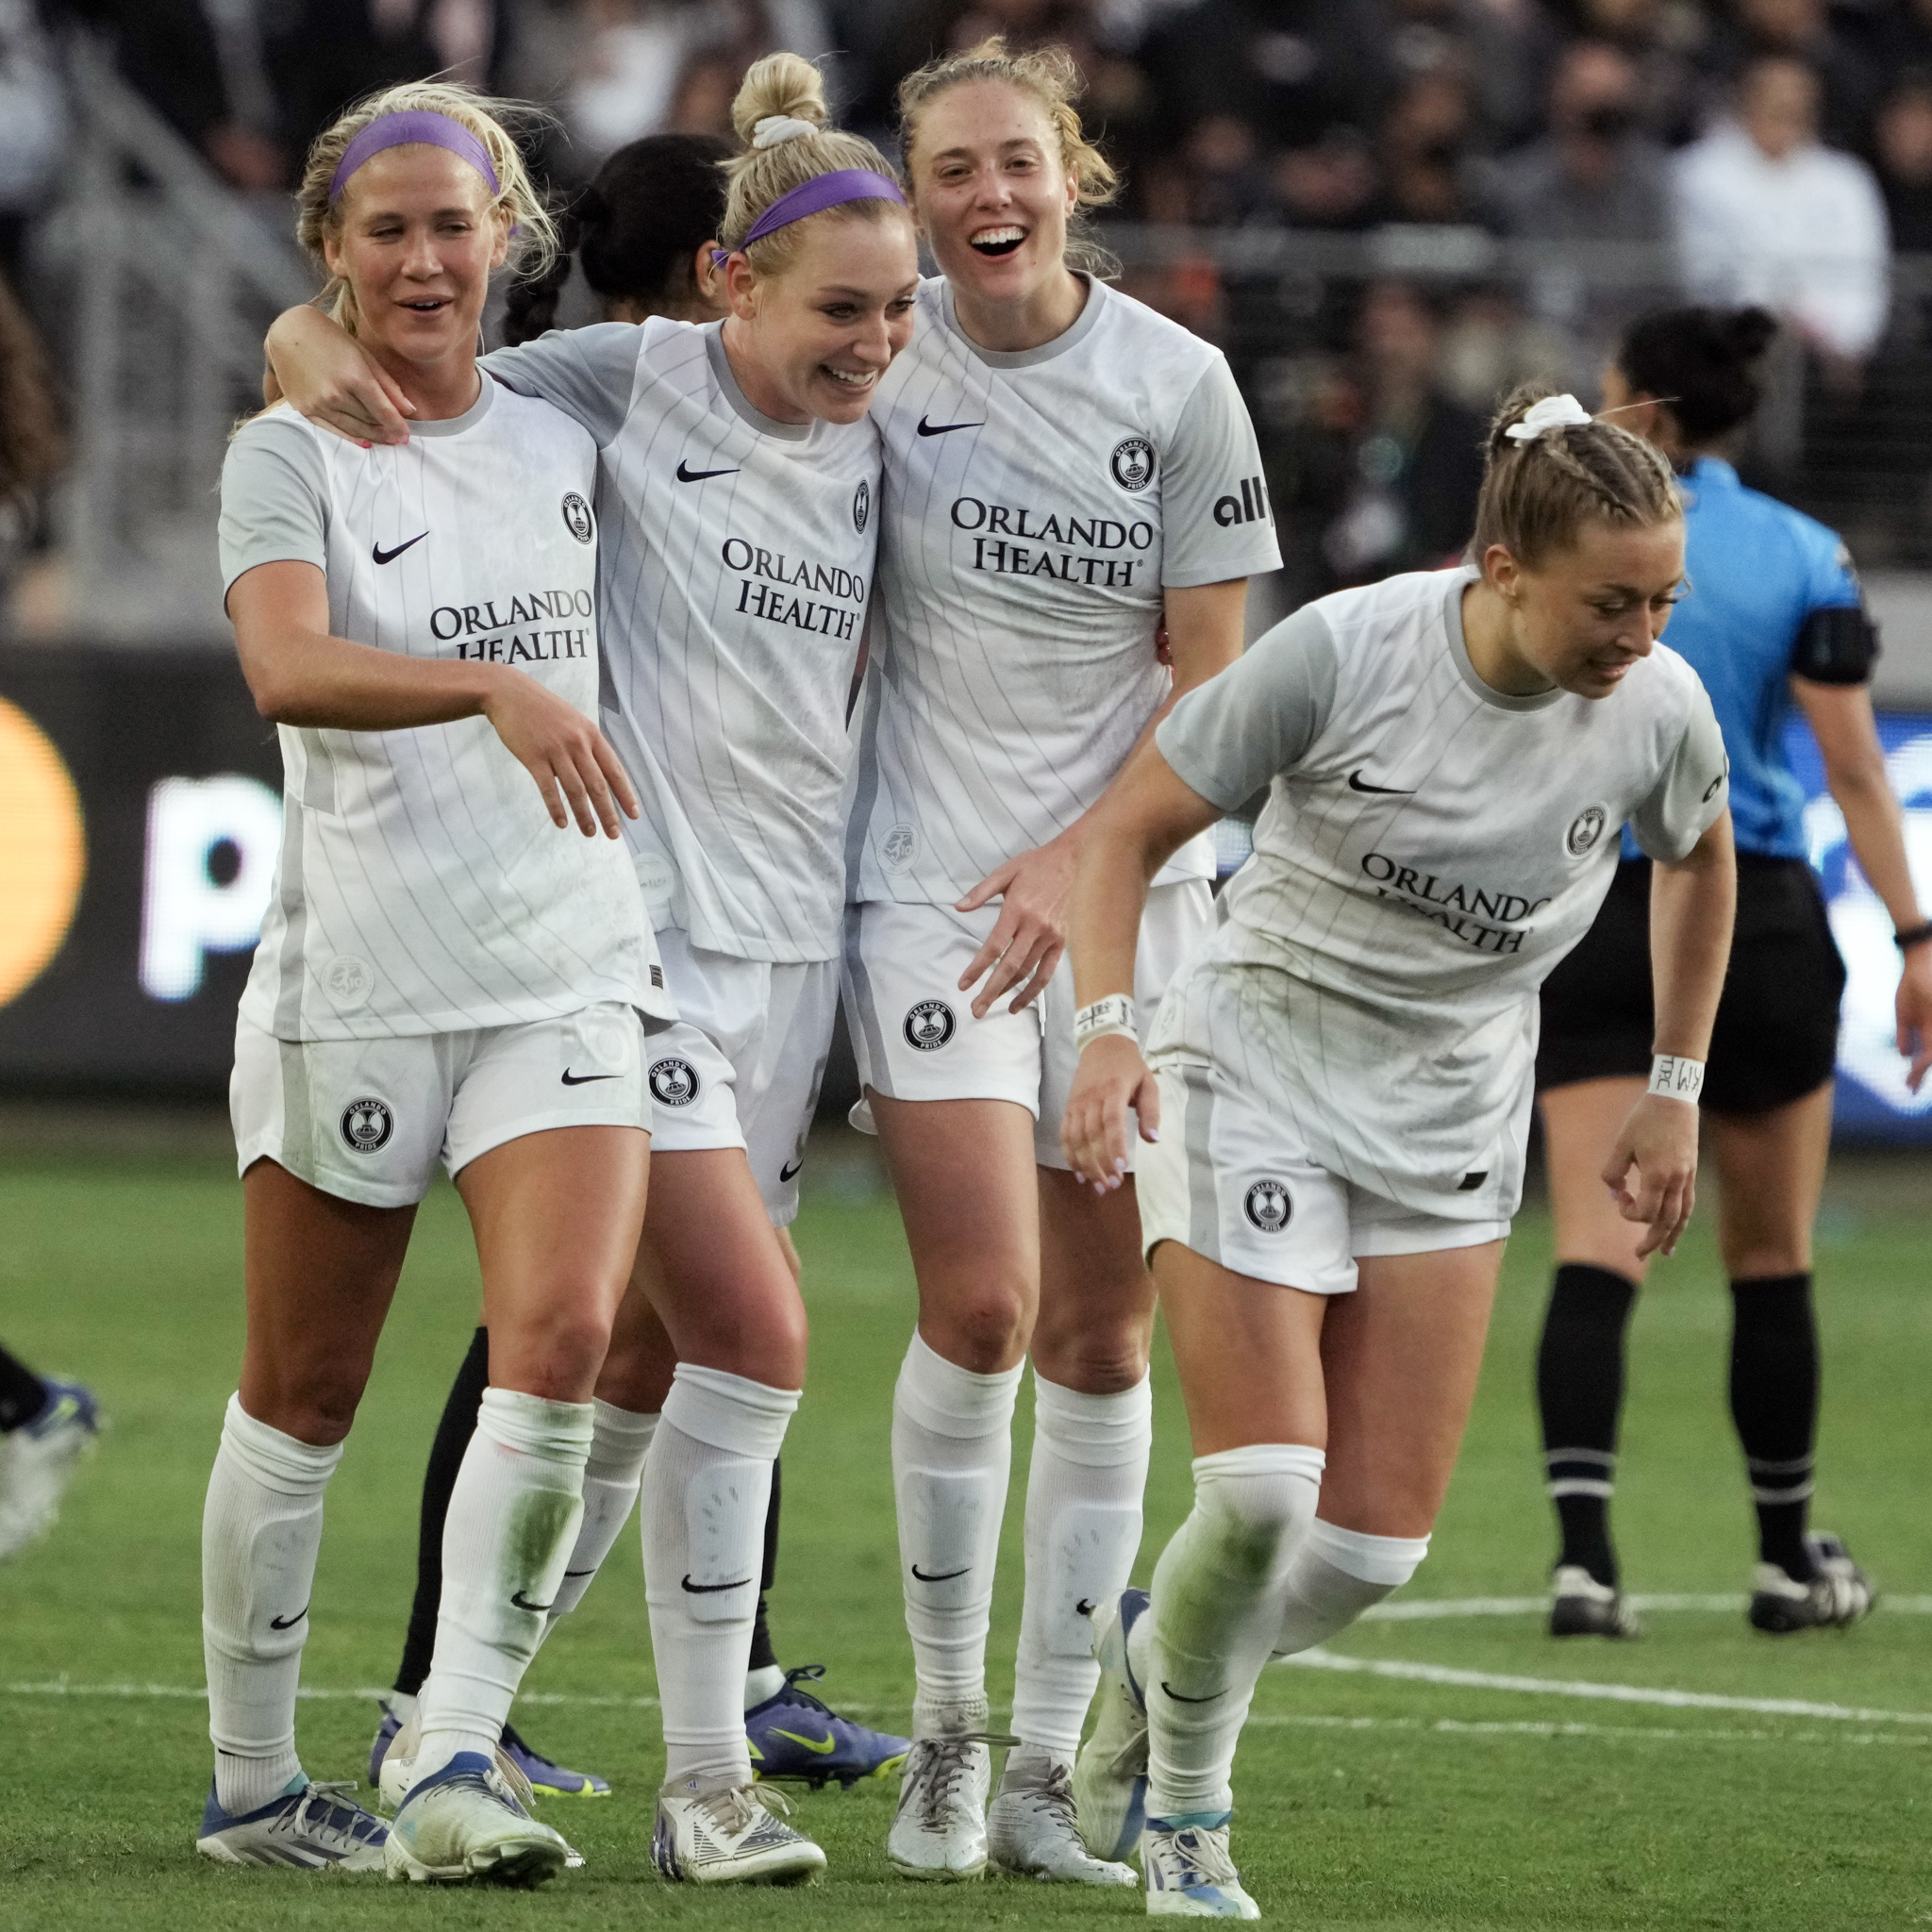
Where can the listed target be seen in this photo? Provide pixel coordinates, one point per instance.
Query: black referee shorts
(1776, 1033)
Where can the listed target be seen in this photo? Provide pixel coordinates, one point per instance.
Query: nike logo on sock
(926, 429)
(1355, 784)
(571, 1079)
(944, 1575)
(685, 475)
(288, 1623)
(523, 1603)
(1179, 1699)
(580, 1572)
(712, 1589)
(382, 556)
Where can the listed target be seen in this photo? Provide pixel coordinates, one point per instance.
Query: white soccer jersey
(1430, 849)
(736, 558)
(1038, 506)
(421, 885)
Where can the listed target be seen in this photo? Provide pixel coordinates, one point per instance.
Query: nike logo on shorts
(944, 1575)
(382, 556)
(712, 1588)
(686, 476)
(926, 429)
(571, 1079)
(1356, 784)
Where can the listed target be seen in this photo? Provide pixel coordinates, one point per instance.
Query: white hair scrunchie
(1552, 413)
(776, 129)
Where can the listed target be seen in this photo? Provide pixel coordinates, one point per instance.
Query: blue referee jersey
(1757, 570)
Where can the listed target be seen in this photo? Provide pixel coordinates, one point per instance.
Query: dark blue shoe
(547, 1778)
(308, 1828)
(384, 1736)
(37, 1461)
(794, 1735)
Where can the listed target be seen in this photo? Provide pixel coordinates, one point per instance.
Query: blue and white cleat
(467, 1822)
(398, 1707)
(1110, 1774)
(38, 1458)
(729, 1834)
(1190, 1874)
(793, 1735)
(309, 1827)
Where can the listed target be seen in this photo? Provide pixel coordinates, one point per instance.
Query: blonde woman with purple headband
(738, 488)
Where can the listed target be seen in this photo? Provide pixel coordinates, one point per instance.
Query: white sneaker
(730, 1835)
(1030, 1829)
(397, 1773)
(37, 1459)
(1190, 1874)
(310, 1828)
(939, 1830)
(1110, 1777)
(467, 1822)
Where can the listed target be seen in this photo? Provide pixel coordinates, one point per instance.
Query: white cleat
(730, 1835)
(467, 1822)
(318, 1826)
(1030, 1830)
(37, 1459)
(939, 1830)
(398, 1772)
(1110, 1777)
(1190, 1874)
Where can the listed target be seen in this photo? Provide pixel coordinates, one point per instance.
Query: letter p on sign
(186, 910)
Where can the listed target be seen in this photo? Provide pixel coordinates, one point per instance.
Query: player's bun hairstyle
(518, 205)
(1537, 494)
(1701, 364)
(1050, 75)
(787, 87)
(634, 231)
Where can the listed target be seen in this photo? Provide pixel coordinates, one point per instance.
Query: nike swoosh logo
(580, 1572)
(685, 475)
(785, 1173)
(523, 1603)
(926, 429)
(288, 1623)
(712, 1588)
(1179, 1699)
(571, 1079)
(1355, 784)
(822, 1745)
(382, 556)
(944, 1575)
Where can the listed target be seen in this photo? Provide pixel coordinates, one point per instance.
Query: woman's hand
(1660, 1140)
(1914, 1009)
(1027, 942)
(1110, 1078)
(564, 752)
(326, 375)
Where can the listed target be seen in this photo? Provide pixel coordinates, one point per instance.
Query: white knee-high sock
(513, 1518)
(1335, 1574)
(620, 1439)
(1216, 1611)
(951, 1453)
(1083, 1529)
(261, 1529)
(708, 1480)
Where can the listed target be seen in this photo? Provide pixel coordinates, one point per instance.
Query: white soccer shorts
(913, 1031)
(742, 1064)
(368, 1120)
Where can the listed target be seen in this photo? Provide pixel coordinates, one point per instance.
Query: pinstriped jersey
(1039, 505)
(421, 885)
(735, 560)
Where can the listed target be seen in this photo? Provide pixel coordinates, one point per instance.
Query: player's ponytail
(1701, 364)
(1551, 467)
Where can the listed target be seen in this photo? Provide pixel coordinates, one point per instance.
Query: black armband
(1835, 646)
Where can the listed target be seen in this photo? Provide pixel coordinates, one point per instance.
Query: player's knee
(1256, 1502)
(557, 1353)
(319, 1409)
(985, 1331)
(1094, 1359)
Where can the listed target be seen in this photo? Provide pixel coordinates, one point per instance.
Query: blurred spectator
(1766, 214)
(31, 447)
(33, 124)
(1502, 47)
(1428, 168)
(1902, 142)
(1659, 37)
(1330, 183)
(1836, 50)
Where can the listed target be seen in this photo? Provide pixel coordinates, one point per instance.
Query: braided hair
(1536, 494)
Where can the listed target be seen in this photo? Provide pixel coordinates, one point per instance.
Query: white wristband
(1114, 1014)
(1672, 1078)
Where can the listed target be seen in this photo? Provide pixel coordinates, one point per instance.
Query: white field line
(1457, 1727)
(1427, 1608)
(62, 1687)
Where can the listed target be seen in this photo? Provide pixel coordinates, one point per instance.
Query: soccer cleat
(729, 1834)
(939, 1830)
(1582, 1607)
(1190, 1874)
(546, 1777)
(38, 1458)
(1030, 1830)
(1834, 1599)
(794, 1735)
(467, 1821)
(398, 1708)
(395, 1770)
(308, 1828)
(1111, 1776)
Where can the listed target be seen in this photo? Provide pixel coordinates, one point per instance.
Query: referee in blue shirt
(1772, 613)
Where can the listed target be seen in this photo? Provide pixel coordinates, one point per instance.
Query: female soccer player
(738, 482)
(643, 236)
(445, 969)
(1773, 611)
(1065, 471)
(1342, 1077)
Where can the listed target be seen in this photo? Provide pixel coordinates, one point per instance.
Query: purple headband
(821, 192)
(420, 125)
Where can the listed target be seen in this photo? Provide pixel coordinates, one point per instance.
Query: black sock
(446, 1453)
(763, 1657)
(1579, 1391)
(23, 1395)
(1775, 1405)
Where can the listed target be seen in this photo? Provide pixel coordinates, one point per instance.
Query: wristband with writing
(1673, 1078)
(1095, 1020)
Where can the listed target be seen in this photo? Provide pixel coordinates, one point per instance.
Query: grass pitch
(1461, 1792)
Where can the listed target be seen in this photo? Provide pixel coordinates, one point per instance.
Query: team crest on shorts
(862, 506)
(1585, 828)
(897, 847)
(367, 1125)
(674, 1082)
(577, 518)
(1133, 463)
(930, 1026)
(1268, 1206)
